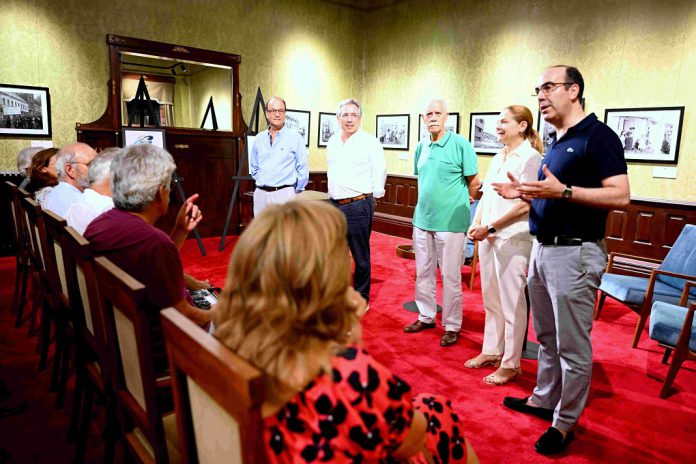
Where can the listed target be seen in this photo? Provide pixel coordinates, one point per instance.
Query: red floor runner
(625, 420)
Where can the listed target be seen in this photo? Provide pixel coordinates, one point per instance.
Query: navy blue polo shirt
(587, 154)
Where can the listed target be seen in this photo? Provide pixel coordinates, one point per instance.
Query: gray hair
(65, 155)
(433, 100)
(137, 173)
(346, 102)
(100, 167)
(24, 159)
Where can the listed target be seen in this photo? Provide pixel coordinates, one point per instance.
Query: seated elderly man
(96, 199)
(24, 158)
(72, 163)
(140, 183)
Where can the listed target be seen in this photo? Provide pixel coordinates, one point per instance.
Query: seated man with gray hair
(24, 158)
(140, 183)
(72, 163)
(96, 199)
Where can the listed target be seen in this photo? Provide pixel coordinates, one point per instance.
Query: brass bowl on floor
(405, 251)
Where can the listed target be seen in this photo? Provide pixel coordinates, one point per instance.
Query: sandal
(494, 379)
(475, 363)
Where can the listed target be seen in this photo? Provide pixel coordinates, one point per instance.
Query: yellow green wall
(485, 55)
(480, 55)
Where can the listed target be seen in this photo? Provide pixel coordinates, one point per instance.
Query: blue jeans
(359, 218)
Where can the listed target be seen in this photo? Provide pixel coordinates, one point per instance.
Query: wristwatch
(567, 193)
(491, 229)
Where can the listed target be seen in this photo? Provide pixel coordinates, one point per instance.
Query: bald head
(72, 163)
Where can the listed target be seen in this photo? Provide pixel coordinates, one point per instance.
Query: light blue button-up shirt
(61, 198)
(284, 162)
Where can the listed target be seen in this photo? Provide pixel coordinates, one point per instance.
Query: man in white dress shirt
(356, 173)
(72, 163)
(96, 199)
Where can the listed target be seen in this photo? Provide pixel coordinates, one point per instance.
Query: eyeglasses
(547, 87)
(272, 111)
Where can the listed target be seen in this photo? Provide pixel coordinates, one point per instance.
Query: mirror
(182, 88)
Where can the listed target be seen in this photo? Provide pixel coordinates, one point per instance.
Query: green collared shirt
(443, 195)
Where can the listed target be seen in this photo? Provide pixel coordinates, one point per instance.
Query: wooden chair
(673, 327)
(217, 396)
(93, 372)
(42, 297)
(149, 435)
(23, 266)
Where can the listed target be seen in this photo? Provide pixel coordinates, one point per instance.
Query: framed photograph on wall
(298, 120)
(545, 129)
(142, 136)
(648, 135)
(452, 124)
(392, 131)
(482, 133)
(24, 111)
(328, 126)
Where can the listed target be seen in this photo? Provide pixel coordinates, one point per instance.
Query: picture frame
(482, 133)
(648, 135)
(328, 126)
(142, 136)
(544, 129)
(298, 120)
(25, 111)
(392, 131)
(452, 124)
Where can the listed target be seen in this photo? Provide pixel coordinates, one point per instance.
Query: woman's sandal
(474, 364)
(497, 380)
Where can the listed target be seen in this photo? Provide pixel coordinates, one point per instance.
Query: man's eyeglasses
(547, 87)
(272, 111)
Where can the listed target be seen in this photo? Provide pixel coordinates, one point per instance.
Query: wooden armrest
(674, 274)
(685, 293)
(649, 262)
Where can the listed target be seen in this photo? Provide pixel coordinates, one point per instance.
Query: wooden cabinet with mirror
(181, 80)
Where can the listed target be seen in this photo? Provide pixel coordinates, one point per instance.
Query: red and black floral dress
(360, 413)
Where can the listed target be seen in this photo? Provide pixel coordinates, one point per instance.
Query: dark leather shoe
(520, 405)
(449, 338)
(552, 441)
(418, 326)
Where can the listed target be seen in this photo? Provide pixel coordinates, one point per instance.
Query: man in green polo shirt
(445, 164)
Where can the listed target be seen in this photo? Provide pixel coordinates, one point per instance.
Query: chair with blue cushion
(664, 283)
(672, 326)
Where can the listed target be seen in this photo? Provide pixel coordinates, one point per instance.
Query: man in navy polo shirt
(583, 176)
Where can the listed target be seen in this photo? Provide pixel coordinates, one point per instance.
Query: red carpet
(625, 420)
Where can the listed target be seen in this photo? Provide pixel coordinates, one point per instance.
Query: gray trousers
(563, 282)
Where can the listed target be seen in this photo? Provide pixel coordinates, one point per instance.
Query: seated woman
(289, 308)
(42, 173)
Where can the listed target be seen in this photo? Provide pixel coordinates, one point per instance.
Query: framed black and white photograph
(451, 124)
(328, 126)
(24, 111)
(545, 129)
(142, 136)
(298, 120)
(648, 135)
(482, 133)
(392, 131)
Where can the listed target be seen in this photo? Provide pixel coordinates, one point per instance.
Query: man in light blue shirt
(72, 164)
(278, 160)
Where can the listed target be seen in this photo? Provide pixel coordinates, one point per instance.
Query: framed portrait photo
(24, 111)
(328, 126)
(142, 136)
(648, 135)
(392, 131)
(298, 120)
(451, 124)
(482, 133)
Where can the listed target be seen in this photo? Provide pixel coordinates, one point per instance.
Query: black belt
(272, 189)
(562, 240)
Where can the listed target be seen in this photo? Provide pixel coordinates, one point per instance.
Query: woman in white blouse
(501, 226)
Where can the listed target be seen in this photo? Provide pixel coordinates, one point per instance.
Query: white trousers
(504, 264)
(263, 198)
(447, 249)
